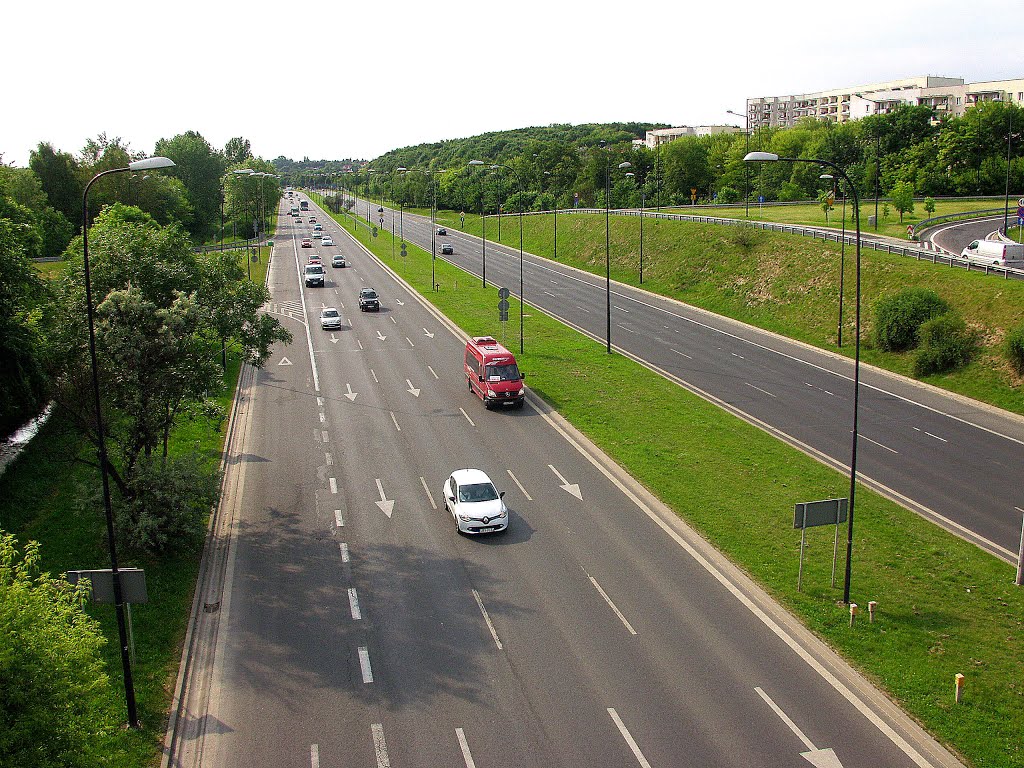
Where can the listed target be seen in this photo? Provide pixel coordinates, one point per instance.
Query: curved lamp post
(147, 164)
(771, 157)
(746, 168)
(522, 196)
(555, 207)
(483, 227)
(433, 220)
(842, 261)
(643, 200)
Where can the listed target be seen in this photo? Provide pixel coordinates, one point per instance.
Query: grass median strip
(944, 607)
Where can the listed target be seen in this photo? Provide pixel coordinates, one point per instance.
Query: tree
(825, 201)
(929, 205)
(55, 695)
(61, 180)
(237, 151)
(200, 169)
(902, 197)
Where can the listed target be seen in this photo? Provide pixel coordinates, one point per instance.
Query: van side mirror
(501, 495)
(480, 377)
(522, 375)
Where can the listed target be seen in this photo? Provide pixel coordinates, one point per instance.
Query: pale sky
(329, 80)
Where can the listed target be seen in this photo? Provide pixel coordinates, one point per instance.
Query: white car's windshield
(477, 492)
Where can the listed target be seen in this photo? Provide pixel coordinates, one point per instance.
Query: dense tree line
(910, 148)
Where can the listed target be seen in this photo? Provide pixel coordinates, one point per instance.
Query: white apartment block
(661, 136)
(946, 95)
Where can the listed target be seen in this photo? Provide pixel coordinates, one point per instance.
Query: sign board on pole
(503, 293)
(133, 584)
(1020, 202)
(814, 513)
(1020, 212)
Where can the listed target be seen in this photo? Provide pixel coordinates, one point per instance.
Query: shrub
(745, 238)
(898, 317)
(166, 505)
(729, 195)
(946, 343)
(1014, 349)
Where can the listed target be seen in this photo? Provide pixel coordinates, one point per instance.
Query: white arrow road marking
(350, 394)
(285, 361)
(381, 336)
(386, 505)
(334, 339)
(429, 334)
(412, 390)
(566, 486)
(400, 302)
(819, 758)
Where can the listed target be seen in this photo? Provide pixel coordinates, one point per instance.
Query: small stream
(13, 446)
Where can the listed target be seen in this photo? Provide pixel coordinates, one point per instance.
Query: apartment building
(946, 95)
(660, 136)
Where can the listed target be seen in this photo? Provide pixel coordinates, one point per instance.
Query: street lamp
(771, 157)
(607, 242)
(146, 164)
(842, 261)
(522, 197)
(401, 203)
(483, 227)
(433, 220)
(746, 168)
(1006, 201)
(555, 207)
(643, 199)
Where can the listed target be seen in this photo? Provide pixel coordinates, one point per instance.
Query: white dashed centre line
(326, 439)
(611, 605)
(375, 379)
(323, 419)
(427, 491)
(338, 520)
(516, 481)
(330, 459)
(364, 665)
(621, 309)
(741, 357)
(395, 420)
(334, 485)
(759, 389)
(487, 619)
(394, 321)
(314, 756)
(353, 604)
(584, 309)
(877, 443)
(629, 738)
(380, 747)
(432, 371)
(937, 437)
(344, 552)
(467, 417)
(681, 353)
(465, 748)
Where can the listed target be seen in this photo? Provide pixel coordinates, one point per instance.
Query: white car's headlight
(466, 518)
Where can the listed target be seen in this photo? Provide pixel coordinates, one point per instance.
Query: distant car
(447, 249)
(316, 227)
(307, 242)
(329, 318)
(338, 260)
(314, 259)
(442, 231)
(312, 219)
(318, 235)
(327, 240)
(298, 219)
(368, 300)
(474, 503)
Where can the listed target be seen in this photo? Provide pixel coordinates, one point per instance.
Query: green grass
(811, 215)
(783, 283)
(944, 606)
(49, 495)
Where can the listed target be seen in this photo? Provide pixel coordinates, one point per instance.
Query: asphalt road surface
(949, 458)
(350, 625)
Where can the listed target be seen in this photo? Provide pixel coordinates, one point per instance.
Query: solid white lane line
(487, 619)
(395, 420)
(786, 719)
(375, 379)
(314, 755)
(467, 417)
(330, 459)
(380, 746)
(353, 604)
(681, 353)
(427, 491)
(937, 437)
(612, 606)
(629, 738)
(432, 371)
(759, 389)
(338, 520)
(364, 664)
(465, 748)
(326, 439)
(876, 443)
(516, 481)
(344, 552)
(334, 485)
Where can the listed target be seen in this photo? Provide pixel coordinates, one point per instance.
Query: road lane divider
(516, 481)
(487, 619)
(471, 422)
(466, 755)
(353, 604)
(615, 610)
(630, 741)
(430, 496)
(364, 666)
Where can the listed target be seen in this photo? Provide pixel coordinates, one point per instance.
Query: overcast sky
(330, 80)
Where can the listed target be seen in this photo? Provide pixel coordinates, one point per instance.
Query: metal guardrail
(925, 223)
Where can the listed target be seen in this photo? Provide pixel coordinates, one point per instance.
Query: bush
(898, 317)
(729, 195)
(1014, 349)
(167, 505)
(745, 238)
(946, 343)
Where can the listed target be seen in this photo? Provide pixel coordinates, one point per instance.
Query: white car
(473, 501)
(327, 240)
(330, 319)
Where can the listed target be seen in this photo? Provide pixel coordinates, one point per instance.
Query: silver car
(330, 319)
(474, 503)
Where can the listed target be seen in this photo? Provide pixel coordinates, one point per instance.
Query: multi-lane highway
(344, 622)
(949, 458)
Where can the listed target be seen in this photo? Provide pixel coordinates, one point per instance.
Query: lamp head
(626, 164)
(760, 157)
(149, 163)
(476, 162)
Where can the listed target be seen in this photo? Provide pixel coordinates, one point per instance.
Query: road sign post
(812, 514)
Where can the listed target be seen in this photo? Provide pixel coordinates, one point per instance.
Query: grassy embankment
(45, 495)
(783, 283)
(944, 606)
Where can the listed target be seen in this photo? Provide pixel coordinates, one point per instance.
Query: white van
(995, 252)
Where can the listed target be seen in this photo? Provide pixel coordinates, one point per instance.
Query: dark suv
(368, 300)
